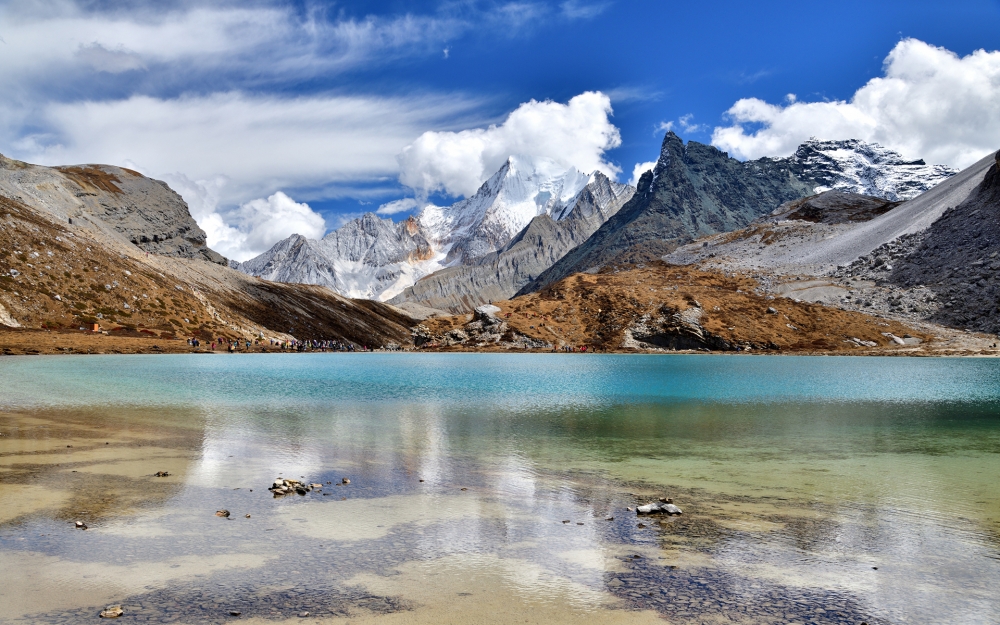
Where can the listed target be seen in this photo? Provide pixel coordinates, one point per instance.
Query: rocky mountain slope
(663, 307)
(957, 259)
(377, 258)
(929, 259)
(116, 201)
(696, 190)
(57, 276)
(499, 275)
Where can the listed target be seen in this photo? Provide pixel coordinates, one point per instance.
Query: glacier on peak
(523, 188)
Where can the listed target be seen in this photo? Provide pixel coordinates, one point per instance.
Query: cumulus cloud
(398, 206)
(258, 224)
(639, 170)
(930, 103)
(574, 134)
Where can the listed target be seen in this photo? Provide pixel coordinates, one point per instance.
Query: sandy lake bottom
(496, 489)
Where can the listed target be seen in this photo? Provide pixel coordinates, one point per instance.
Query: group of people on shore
(247, 345)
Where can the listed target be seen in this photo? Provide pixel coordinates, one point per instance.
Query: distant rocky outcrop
(114, 200)
(835, 207)
(696, 190)
(499, 275)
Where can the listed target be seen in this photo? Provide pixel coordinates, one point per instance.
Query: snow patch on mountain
(864, 168)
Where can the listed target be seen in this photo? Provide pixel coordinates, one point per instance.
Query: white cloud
(256, 143)
(687, 125)
(575, 9)
(47, 40)
(930, 104)
(574, 134)
(639, 170)
(110, 61)
(398, 206)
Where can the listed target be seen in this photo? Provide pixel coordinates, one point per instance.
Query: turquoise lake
(492, 488)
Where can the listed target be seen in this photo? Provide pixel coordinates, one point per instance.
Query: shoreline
(37, 342)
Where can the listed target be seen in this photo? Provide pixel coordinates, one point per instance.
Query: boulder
(486, 311)
(658, 508)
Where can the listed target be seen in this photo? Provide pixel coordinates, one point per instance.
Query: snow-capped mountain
(365, 258)
(522, 189)
(377, 258)
(864, 168)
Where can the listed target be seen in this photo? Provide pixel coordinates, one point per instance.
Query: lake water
(489, 488)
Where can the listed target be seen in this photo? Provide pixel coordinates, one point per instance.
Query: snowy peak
(601, 194)
(865, 168)
(523, 188)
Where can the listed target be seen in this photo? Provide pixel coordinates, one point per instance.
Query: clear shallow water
(797, 477)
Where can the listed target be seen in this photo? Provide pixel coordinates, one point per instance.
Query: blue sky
(234, 102)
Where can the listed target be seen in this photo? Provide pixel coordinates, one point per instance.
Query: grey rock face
(499, 275)
(143, 211)
(835, 207)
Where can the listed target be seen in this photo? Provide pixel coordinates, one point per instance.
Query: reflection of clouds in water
(424, 441)
(923, 566)
(248, 449)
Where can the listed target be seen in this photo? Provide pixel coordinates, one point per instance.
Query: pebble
(345, 481)
(162, 474)
(112, 611)
(234, 613)
(222, 513)
(303, 614)
(81, 525)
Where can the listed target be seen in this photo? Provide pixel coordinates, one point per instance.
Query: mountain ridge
(696, 190)
(394, 257)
